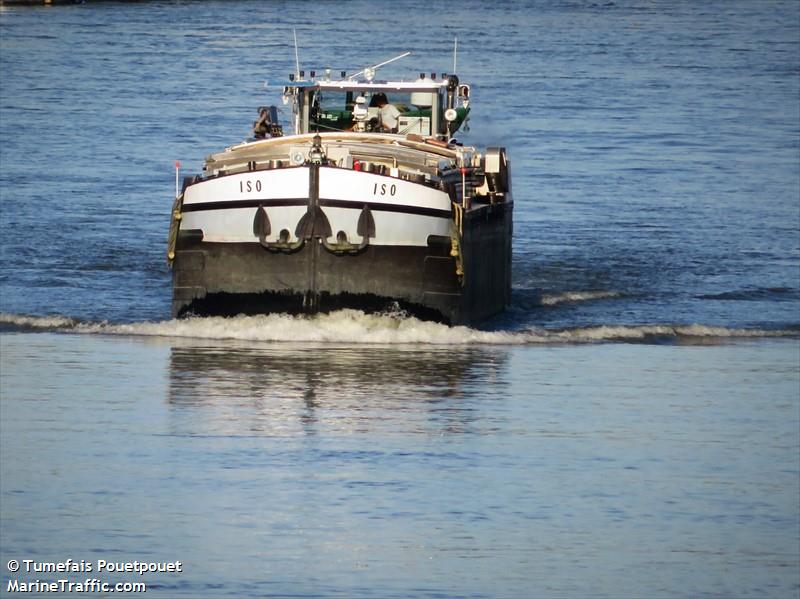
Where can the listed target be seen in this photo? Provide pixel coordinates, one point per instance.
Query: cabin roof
(420, 85)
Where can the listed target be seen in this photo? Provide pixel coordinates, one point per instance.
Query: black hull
(233, 278)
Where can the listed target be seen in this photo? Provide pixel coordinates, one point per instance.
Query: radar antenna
(369, 72)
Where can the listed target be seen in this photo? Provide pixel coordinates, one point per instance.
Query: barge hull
(211, 278)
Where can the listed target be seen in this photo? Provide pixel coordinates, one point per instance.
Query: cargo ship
(370, 203)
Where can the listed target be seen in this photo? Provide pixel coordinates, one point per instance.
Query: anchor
(262, 228)
(365, 228)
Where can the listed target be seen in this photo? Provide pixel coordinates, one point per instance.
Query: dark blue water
(655, 154)
(655, 148)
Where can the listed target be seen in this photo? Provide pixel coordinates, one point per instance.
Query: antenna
(455, 54)
(375, 67)
(296, 56)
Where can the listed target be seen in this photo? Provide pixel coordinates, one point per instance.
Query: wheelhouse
(427, 107)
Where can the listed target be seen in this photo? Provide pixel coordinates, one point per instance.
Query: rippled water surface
(338, 470)
(629, 428)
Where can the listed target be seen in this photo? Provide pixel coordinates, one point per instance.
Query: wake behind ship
(371, 204)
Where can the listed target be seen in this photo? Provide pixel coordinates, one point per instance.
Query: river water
(629, 428)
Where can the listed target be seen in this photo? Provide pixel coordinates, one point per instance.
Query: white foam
(36, 322)
(553, 299)
(354, 326)
(343, 326)
(698, 330)
(643, 332)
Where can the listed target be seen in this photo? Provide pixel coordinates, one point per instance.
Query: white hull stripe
(333, 203)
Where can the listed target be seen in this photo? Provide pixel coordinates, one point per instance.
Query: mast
(296, 56)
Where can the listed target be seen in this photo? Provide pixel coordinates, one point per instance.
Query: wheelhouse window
(332, 110)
